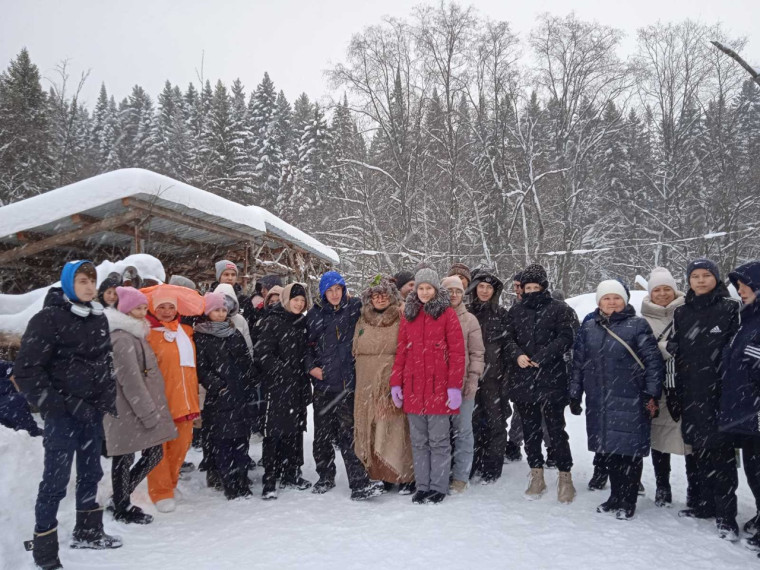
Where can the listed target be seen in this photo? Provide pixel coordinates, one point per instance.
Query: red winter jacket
(430, 355)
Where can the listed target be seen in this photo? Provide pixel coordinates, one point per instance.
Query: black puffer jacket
(225, 369)
(543, 329)
(493, 324)
(702, 327)
(64, 364)
(281, 355)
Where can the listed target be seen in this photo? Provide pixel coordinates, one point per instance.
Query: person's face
(334, 294)
(84, 288)
(484, 292)
(218, 315)
(702, 281)
(381, 301)
(166, 312)
(748, 295)
(611, 303)
(517, 288)
(406, 289)
(425, 292)
(663, 295)
(228, 276)
(273, 299)
(531, 288)
(265, 292)
(139, 312)
(456, 296)
(297, 305)
(110, 297)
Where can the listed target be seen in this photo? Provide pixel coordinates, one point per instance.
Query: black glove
(673, 403)
(575, 407)
(651, 406)
(82, 411)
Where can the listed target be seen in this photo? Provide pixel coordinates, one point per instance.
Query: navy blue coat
(616, 387)
(64, 364)
(330, 340)
(14, 410)
(740, 392)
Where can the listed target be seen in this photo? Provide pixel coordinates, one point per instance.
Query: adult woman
(380, 429)
(658, 308)
(702, 327)
(617, 364)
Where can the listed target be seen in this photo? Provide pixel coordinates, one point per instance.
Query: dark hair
(87, 269)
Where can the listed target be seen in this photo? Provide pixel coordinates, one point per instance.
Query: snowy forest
(449, 139)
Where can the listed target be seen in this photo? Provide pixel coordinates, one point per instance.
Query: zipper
(184, 388)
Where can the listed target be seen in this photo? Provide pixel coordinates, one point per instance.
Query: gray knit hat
(427, 275)
(222, 265)
(182, 281)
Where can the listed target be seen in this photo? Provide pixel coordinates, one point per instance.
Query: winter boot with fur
(565, 487)
(44, 549)
(89, 533)
(458, 487)
(536, 485)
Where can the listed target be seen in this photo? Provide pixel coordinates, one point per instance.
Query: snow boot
(130, 515)
(458, 487)
(642, 491)
(322, 486)
(752, 526)
(598, 480)
(387, 486)
(166, 505)
(44, 547)
(727, 529)
(512, 453)
(367, 492)
(407, 488)
(421, 496)
(297, 482)
(536, 484)
(213, 480)
(625, 511)
(610, 506)
(565, 487)
(89, 533)
(187, 467)
(752, 543)
(696, 513)
(663, 497)
(434, 497)
(269, 492)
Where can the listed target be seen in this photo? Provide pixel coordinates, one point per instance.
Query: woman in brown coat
(143, 422)
(381, 431)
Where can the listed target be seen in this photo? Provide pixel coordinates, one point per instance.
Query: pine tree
(171, 134)
(241, 145)
(262, 109)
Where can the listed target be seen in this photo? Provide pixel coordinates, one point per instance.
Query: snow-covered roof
(103, 196)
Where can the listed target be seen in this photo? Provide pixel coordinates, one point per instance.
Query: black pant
(661, 464)
(718, 480)
(229, 456)
(489, 423)
(126, 478)
(283, 457)
(751, 457)
(334, 422)
(554, 415)
(625, 474)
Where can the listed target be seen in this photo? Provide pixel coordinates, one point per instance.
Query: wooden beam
(32, 248)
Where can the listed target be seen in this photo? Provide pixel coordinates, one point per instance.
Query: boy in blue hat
(64, 369)
(331, 365)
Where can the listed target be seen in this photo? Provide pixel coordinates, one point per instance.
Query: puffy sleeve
(654, 365)
(402, 349)
(579, 363)
(455, 343)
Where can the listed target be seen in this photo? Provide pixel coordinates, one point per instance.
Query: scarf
(221, 329)
(173, 332)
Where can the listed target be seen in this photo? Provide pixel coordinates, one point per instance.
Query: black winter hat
(402, 278)
(297, 291)
(269, 281)
(113, 280)
(517, 277)
(534, 274)
(703, 263)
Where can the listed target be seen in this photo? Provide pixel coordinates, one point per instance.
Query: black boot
(322, 486)
(294, 481)
(598, 480)
(407, 488)
(131, 515)
(752, 526)
(213, 481)
(625, 511)
(45, 549)
(663, 497)
(610, 506)
(512, 453)
(89, 533)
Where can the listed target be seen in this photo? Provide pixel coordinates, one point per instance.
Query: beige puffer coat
(474, 351)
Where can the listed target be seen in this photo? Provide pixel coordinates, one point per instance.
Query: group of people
(413, 381)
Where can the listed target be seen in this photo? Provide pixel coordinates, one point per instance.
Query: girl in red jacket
(427, 381)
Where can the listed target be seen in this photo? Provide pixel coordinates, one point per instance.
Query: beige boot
(458, 486)
(565, 487)
(537, 485)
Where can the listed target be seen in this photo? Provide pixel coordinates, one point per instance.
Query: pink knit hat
(130, 298)
(452, 282)
(213, 301)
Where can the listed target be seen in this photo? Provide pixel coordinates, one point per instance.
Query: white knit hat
(611, 287)
(661, 276)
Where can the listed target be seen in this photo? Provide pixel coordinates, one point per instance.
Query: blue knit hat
(67, 278)
(328, 280)
(703, 263)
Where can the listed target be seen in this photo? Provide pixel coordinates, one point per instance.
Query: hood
(749, 274)
(275, 290)
(385, 319)
(487, 276)
(229, 292)
(285, 296)
(67, 278)
(328, 280)
(435, 307)
(626, 313)
(118, 321)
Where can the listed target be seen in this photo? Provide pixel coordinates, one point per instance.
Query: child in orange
(175, 350)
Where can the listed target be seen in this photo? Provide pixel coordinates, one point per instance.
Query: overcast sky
(146, 42)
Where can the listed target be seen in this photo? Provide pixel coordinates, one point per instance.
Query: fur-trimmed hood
(435, 307)
(118, 321)
(385, 319)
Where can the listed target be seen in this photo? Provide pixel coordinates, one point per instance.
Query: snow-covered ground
(487, 527)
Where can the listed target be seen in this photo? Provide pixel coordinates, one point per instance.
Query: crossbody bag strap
(626, 345)
(664, 332)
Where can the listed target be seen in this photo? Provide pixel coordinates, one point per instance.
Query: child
(172, 342)
(64, 369)
(225, 370)
(281, 354)
(107, 290)
(617, 363)
(427, 381)
(143, 420)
